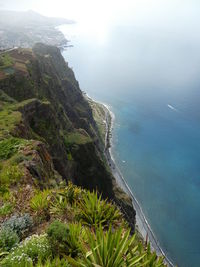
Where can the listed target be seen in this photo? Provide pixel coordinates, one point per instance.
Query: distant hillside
(29, 18)
(24, 29)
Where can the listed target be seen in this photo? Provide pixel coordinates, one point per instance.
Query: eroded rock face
(55, 114)
(39, 166)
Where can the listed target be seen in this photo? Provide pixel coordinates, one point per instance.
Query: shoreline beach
(141, 222)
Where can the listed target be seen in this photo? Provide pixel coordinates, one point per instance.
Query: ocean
(151, 81)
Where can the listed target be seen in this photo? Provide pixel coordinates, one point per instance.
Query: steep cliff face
(41, 102)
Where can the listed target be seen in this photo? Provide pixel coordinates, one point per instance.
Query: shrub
(37, 247)
(20, 224)
(65, 239)
(8, 239)
(57, 233)
(94, 211)
(17, 260)
(28, 252)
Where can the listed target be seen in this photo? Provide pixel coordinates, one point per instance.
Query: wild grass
(5, 61)
(10, 174)
(76, 138)
(8, 147)
(8, 121)
(6, 209)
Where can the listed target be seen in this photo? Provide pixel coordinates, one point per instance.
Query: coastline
(142, 224)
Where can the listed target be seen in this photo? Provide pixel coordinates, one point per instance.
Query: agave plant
(94, 211)
(57, 262)
(109, 249)
(151, 257)
(59, 205)
(65, 199)
(72, 193)
(40, 202)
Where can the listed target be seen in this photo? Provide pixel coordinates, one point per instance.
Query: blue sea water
(152, 82)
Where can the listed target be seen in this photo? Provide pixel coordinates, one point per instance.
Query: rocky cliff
(47, 130)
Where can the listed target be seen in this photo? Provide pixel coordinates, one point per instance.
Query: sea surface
(151, 81)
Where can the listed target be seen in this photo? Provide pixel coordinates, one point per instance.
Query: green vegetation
(56, 262)
(65, 201)
(6, 209)
(10, 174)
(8, 121)
(57, 234)
(96, 236)
(69, 156)
(99, 114)
(94, 211)
(64, 239)
(72, 193)
(8, 239)
(77, 139)
(10, 146)
(40, 202)
(110, 249)
(5, 61)
(5, 98)
(21, 225)
(59, 205)
(28, 252)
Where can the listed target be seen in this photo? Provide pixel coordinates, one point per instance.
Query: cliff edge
(47, 129)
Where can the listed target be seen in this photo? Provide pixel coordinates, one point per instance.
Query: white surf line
(172, 108)
(152, 238)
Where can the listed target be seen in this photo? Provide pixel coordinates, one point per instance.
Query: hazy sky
(178, 16)
(169, 12)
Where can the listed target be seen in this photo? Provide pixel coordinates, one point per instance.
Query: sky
(165, 11)
(178, 16)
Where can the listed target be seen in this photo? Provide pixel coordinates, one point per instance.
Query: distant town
(28, 28)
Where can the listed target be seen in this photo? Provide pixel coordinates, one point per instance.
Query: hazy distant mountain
(24, 29)
(28, 18)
